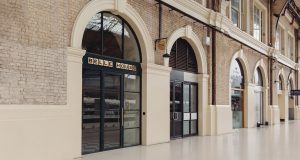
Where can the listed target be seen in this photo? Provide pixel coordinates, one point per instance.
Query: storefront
(111, 92)
(237, 94)
(183, 91)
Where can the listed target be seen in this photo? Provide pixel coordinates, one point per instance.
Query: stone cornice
(222, 23)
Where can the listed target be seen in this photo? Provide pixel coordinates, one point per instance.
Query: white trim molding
(126, 11)
(188, 34)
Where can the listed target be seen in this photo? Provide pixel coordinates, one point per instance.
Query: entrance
(237, 96)
(111, 89)
(183, 109)
(111, 110)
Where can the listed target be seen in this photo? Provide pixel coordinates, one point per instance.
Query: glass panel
(131, 101)
(91, 111)
(194, 98)
(111, 110)
(257, 23)
(111, 139)
(111, 82)
(131, 137)
(186, 98)
(237, 108)
(235, 4)
(193, 127)
(236, 75)
(258, 106)
(234, 17)
(92, 37)
(186, 127)
(131, 83)
(131, 119)
(131, 49)
(258, 77)
(112, 36)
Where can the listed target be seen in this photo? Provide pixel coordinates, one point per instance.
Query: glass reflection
(90, 112)
(131, 49)
(236, 75)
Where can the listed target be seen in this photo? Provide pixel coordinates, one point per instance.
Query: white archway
(119, 7)
(264, 89)
(192, 38)
(244, 62)
(282, 96)
(242, 59)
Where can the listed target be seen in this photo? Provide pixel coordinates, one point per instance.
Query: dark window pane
(131, 49)
(92, 38)
(91, 111)
(112, 36)
(193, 98)
(182, 56)
(111, 139)
(111, 82)
(194, 127)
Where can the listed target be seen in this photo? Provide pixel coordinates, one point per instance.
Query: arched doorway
(259, 96)
(237, 94)
(183, 90)
(111, 89)
(291, 100)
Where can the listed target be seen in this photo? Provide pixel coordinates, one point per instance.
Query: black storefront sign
(295, 92)
(95, 61)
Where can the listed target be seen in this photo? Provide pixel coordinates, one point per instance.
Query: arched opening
(237, 94)
(281, 97)
(291, 100)
(111, 88)
(259, 96)
(183, 90)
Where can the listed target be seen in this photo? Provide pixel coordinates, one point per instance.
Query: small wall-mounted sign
(295, 92)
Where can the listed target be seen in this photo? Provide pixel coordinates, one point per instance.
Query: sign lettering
(108, 63)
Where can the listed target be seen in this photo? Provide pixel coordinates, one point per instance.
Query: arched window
(258, 80)
(183, 56)
(280, 83)
(109, 35)
(236, 75)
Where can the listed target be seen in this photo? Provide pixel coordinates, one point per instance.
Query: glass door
(190, 108)
(176, 109)
(90, 111)
(111, 116)
(237, 108)
(259, 107)
(183, 109)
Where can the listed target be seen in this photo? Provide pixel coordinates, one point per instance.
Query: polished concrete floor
(278, 142)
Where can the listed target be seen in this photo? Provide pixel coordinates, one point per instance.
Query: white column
(203, 122)
(249, 106)
(74, 97)
(155, 104)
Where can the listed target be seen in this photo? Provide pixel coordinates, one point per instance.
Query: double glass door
(183, 109)
(111, 111)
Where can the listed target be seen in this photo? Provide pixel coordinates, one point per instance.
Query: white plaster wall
(155, 104)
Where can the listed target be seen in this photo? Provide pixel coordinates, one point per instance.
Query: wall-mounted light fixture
(166, 57)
